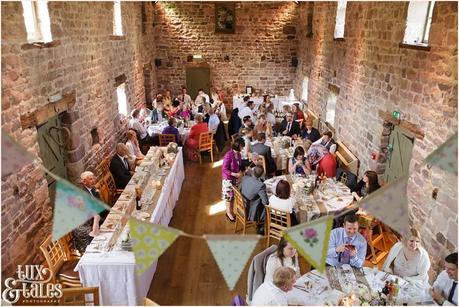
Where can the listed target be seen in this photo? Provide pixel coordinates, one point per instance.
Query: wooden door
(51, 144)
(196, 78)
(400, 149)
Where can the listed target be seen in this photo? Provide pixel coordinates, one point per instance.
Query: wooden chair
(115, 193)
(241, 212)
(276, 222)
(80, 296)
(205, 145)
(60, 264)
(165, 139)
(374, 233)
(69, 248)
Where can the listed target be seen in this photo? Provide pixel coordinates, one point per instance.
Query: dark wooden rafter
(414, 129)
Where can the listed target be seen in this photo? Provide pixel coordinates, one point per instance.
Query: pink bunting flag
(14, 156)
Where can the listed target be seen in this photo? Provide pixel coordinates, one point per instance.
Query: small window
(305, 88)
(121, 97)
(331, 106)
(37, 22)
(418, 22)
(117, 21)
(340, 19)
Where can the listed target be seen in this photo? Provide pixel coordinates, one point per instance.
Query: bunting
(231, 253)
(311, 240)
(73, 207)
(149, 241)
(445, 156)
(14, 156)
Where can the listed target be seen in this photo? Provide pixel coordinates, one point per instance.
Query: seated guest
(347, 245)
(247, 111)
(235, 123)
(408, 259)
(192, 142)
(327, 141)
(132, 145)
(184, 111)
(219, 106)
(203, 95)
(145, 113)
(174, 109)
(444, 289)
(263, 126)
(367, 185)
(254, 191)
(297, 113)
(231, 173)
(260, 148)
(247, 135)
(158, 114)
(167, 100)
(172, 129)
(88, 182)
(327, 166)
(316, 152)
(246, 123)
(214, 121)
(310, 132)
(199, 105)
(158, 99)
(134, 123)
(270, 117)
(275, 293)
(290, 127)
(284, 256)
(299, 165)
(282, 200)
(184, 97)
(119, 166)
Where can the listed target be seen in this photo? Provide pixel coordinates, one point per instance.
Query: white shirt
(332, 147)
(137, 126)
(444, 284)
(246, 111)
(185, 98)
(281, 204)
(269, 295)
(275, 263)
(133, 149)
(206, 97)
(404, 267)
(270, 118)
(213, 123)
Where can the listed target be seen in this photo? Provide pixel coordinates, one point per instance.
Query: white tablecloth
(321, 292)
(278, 102)
(114, 272)
(159, 127)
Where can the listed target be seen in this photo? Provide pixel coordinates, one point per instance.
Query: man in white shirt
(214, 121)
(202, 94)
(275, 293)
(248, 111)
(184, 97)
(134, 123)
(444, 289)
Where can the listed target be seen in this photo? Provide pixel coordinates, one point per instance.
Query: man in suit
(119, 166)
(290, 127)
(264, 150)
(254, 191)
(88, 184)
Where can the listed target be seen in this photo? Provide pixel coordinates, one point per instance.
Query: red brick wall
(374, 74)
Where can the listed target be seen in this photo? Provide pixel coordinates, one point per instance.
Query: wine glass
(375, 271)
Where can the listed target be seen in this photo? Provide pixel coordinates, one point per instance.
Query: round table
(155, 129)
(335, 283)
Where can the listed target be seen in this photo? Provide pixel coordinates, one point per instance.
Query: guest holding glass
(444, 289)
(367, 185)
(285, 256)
(231, 173)
(192, 142)
(347, 245)
(408, 259)
(299, 165)
(282, 200)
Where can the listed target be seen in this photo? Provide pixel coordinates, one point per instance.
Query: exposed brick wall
(260, 51)
(86, 61)
(374, 74)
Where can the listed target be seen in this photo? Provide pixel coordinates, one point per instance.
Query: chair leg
(244, 225)
(211, 155)
(200, 158)
(235, 226)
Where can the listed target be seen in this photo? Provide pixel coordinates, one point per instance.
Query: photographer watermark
(32, 283)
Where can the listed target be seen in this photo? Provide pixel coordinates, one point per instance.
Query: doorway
(400, 147)
(51, 144)
(196, 78)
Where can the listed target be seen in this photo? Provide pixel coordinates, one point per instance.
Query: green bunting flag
(231, 253)
(149, 241)
(445, 156)
(311, 240)
(72, 207)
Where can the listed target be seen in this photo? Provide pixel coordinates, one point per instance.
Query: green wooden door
(50, 142)
(400, 149)
(196, 78)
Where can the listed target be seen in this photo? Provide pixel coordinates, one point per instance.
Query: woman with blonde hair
(135, 155)
(408, 259)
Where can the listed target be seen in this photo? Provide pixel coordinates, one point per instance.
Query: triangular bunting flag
(14, 156)
(149, 241)
(445, 156)
(231, 253)
(311, 240)
(390, 205)
(73, 207)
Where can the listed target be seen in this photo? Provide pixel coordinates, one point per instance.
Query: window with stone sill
(37, 21)
(305, 89)
(117, 19)
(418, 22)
(330, 108)
(121, 98)
(340, 19)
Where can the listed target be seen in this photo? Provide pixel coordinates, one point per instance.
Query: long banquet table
(278, 101)
(105, 264)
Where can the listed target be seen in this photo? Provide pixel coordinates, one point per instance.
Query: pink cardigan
(231, 164)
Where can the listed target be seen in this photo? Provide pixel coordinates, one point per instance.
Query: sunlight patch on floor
(217, 164)
(217, 207)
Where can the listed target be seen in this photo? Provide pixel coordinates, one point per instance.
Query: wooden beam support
(406, 125)
(120, 80)
(42, 114)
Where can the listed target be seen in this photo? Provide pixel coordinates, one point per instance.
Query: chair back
(205, 141)
(80, 296)
(104, 191)
(54, 253)
(239, 205)
(111, 185)
(165, 139)
(104, 166)
(277, 222)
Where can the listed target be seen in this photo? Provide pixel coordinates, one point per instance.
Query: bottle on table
(138, 196)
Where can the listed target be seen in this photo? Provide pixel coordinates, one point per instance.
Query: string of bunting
(73, 207)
